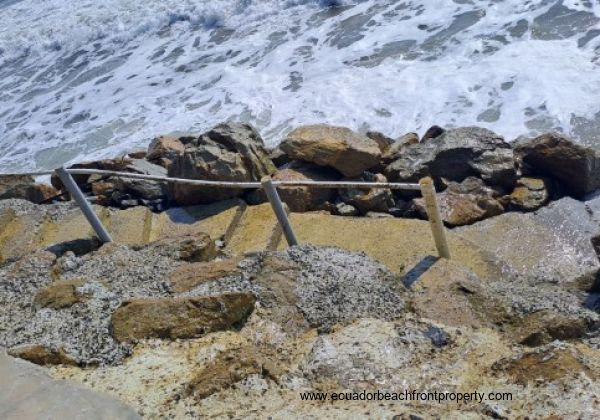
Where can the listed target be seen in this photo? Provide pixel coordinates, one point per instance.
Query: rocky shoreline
(199, 310)
(479, 173)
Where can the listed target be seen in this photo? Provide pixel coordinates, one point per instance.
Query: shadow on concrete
(418, 270)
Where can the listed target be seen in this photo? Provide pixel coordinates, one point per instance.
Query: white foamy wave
(88, 80)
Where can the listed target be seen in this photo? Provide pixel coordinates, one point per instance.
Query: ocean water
(89, 79)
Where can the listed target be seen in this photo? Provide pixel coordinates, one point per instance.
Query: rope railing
(270, 187)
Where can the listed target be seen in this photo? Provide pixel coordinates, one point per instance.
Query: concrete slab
(401, 244)
(258, 230)
(28, 392)
(219, 220)
(131, 226)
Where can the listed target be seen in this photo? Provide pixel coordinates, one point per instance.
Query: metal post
(279, 211)
(85, 207)
(435, 219)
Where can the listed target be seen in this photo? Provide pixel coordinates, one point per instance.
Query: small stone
(42, 355)
(433, 132)
(530, 194)
(384, 142)
(60, 294)
(343, 209)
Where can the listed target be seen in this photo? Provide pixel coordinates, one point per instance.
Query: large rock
(337, 147)
(179, 317)
(228, 152)
(141, 188)
(375, 199)
(301, 199)
(455, 155)
(464, 203)
(551, 245)
(575, 166)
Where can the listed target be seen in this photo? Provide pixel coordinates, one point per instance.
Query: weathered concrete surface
(400, 244)
(218, 220)
(257, 231)
(552, 245)
(25, 228)
(28, 392)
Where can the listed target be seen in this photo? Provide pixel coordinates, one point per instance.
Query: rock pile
(479, 174)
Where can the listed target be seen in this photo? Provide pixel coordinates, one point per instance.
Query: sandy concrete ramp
(28, 392)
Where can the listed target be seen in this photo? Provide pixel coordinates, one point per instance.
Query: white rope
(243, 185)
(253, 185)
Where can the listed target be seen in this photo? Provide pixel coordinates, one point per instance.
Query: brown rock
(546, 326)
(302, 199)
(228, 152)
(549, 365)
(187, 277)
(137, 154)
(36, 193)
(60, 294)
(193, 247)
(228, 368)
(337, 147)
(187, 317)
(575, 166)
(42, 355)
(530, 194)
(433, 132)
(464, 203)
(164, 149)
(373, 200)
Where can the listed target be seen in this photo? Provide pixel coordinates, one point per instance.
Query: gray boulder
(552, 245)
(575, 166)
(455, 155)
(228, 152)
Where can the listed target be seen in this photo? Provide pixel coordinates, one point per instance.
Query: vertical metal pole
(279, 211)
(83, 204)
(435, 219)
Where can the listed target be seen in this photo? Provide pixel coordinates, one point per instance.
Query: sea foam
(88, 79)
